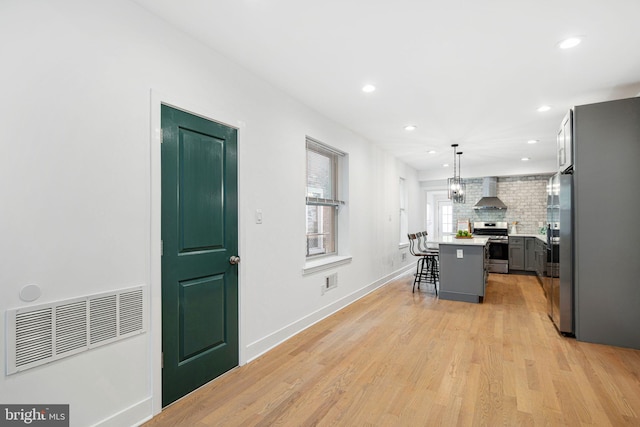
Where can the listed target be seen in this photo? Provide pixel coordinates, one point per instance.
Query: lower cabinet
(530, 253)
(525, 253)
(516, 253)
(463, 272)
(541, 260)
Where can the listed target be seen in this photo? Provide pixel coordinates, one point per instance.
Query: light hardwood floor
(400, 359)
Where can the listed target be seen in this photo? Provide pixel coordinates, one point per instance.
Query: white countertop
(451, 240)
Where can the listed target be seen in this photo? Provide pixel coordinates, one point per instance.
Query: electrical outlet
(459, 253)
(404, 256)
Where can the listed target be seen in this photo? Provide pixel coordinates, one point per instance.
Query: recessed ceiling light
(431, 152)
(532, 141)
(445, 165)
(569, 43)
(410, 127)
(544, 108)
(368, 88)
(525, 159)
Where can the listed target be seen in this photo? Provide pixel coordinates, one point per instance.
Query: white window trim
(403, 202)
(319, 264)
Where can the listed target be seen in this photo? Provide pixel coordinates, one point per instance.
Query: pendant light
(457, 187)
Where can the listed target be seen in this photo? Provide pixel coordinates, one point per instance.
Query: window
(446, 218)
(404, 219)
(323, 201)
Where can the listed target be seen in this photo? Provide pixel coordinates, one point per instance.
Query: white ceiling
(471, 72)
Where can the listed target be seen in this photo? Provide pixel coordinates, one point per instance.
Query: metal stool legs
(427, 265)
(421, 272)
(434, 272)
(427, 270)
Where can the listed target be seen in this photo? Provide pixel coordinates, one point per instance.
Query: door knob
(234, 260)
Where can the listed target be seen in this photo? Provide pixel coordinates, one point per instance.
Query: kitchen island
(463, 268)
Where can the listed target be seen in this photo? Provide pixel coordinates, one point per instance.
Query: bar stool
(425, 263)
(433, 260)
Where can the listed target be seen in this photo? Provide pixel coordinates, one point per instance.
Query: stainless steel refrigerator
(559, 283)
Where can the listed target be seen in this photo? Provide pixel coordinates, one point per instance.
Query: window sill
(316, 265)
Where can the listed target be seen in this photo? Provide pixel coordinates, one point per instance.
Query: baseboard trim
(135, 415)
(263, 345)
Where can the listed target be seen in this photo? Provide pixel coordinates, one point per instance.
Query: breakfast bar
(463, 268)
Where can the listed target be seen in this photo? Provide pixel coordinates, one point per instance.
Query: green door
(200, 237)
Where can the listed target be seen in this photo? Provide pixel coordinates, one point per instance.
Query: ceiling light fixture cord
(455, 146)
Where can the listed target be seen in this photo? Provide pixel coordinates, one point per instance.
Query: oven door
(499, 256)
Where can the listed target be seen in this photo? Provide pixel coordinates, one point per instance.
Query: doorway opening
(439, 214)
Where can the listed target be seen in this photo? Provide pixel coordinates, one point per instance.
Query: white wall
(79, 191)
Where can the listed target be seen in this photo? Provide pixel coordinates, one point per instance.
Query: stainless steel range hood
(489, 198)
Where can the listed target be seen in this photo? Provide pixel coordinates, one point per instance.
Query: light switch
(459, 253)
(258, 216)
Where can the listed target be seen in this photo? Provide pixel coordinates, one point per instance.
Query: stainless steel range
(498, 235)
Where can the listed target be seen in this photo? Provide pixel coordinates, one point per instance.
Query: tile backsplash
(525, 197)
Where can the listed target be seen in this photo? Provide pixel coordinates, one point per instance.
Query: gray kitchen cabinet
(606, 138)
(463, 272)
(516, 253)
(541, 260)
(523, 253)
(530, 253)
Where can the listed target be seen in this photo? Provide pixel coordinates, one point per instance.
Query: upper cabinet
(565, 144)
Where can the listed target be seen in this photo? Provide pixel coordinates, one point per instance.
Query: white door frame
(193, 106)
(431, 198)
(440, 202)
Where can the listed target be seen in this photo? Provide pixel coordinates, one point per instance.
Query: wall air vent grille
(33, 336)
(71, 327)
(131, 312)
(103, 315)
(41, 334)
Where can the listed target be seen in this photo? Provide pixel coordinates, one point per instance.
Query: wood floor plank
(409, 359)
